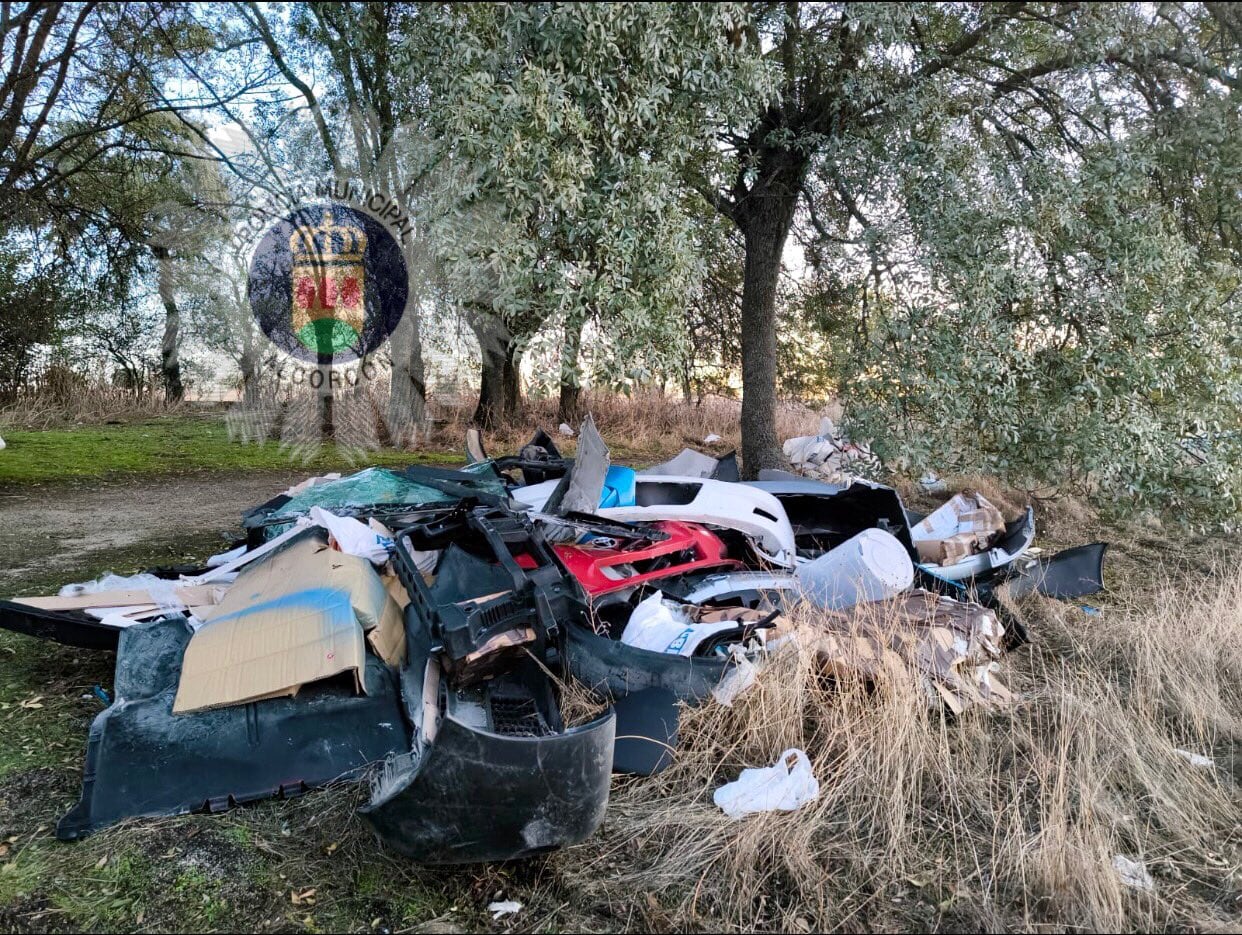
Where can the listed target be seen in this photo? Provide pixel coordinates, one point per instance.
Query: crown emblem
(329, 284)
(328, 242)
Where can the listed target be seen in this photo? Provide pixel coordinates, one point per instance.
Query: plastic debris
(566, 430)
(785, 786)
(869, 567)
(1196, 759)
(352, 537)
(739, 678)
(1133, 873)
(162, 591)
(431, 611)
(223, 558)
(508, 907)
(659, 626)
(930, 482)
(830, 455)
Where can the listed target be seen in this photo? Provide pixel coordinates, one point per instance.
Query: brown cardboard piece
(965, 525)
(188, 595)
(949, 646)
(296, 616)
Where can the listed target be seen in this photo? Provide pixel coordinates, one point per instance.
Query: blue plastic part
(619, 487)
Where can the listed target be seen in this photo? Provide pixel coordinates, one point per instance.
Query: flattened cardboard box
(126, 597)
(964, 526)
(294, 617)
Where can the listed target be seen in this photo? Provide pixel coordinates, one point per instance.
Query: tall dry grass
(646, 426)
(87, 404)
(991, 821)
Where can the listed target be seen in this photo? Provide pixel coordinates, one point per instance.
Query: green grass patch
(174, 445)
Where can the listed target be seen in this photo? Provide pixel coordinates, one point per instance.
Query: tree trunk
(407, 394)
(500, 385)
(571, 386)
(170, 355)
(511, 374)
(765, 220)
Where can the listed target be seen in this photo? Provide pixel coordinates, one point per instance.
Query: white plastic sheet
(223, 558)
(354, 537)
(162, 590)
(785, 786)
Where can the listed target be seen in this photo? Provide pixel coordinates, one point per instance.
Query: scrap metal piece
(142, 760)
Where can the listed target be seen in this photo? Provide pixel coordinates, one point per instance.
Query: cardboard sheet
(951, 647)
(296, 616)
(964, 526)
(128, 597)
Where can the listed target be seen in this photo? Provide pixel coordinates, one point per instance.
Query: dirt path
(45, 528)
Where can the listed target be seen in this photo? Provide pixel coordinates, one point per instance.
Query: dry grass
(87, 404)
(994, 821)
(645, 427)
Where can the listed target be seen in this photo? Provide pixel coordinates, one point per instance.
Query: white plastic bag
(656, 626)
(353, 537)
(741, 676)
(787, 785)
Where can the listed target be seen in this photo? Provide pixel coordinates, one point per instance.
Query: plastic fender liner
(613, 669)
(473, 795)
(754, 512)
(142, 760)
(1070, 573)
(71, 629)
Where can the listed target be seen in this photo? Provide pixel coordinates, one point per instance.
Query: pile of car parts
(417, 630)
